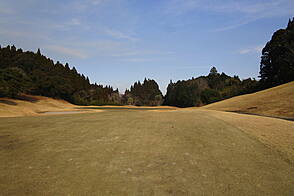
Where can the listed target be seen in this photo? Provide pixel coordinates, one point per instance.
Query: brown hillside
(31, 105)
(277, 101)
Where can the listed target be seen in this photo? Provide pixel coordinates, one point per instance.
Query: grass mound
(277, 102)
(28, 105)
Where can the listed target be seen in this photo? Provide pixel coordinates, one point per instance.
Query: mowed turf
(182, 152)
(277, 102)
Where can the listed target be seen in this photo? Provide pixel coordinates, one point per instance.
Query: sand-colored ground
(277, 101)
(132, 152)
(33, 105)
(275, 133)
(39, 105)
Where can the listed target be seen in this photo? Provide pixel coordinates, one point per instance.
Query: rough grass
(38, 105)
(277, 101)
(179, 152)
(31, 105)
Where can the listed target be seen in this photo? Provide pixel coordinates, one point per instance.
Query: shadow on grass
(8, 102)
(27, 98)
(248, 113)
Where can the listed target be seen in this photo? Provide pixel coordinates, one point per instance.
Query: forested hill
(147, 93)
(33, 73)
(207, 89)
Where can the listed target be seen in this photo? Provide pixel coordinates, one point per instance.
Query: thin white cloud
(260, 7)
(256, 49)
(140, 52)
(83, 5)
(120, 35)
(75, 21)
(138, 59)
(233, 26)
(116, 49)
(67, 51)
(97, 2)
(248, 11)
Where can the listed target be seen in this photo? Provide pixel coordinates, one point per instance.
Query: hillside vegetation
(147, 93)
(33, 73)
(207, 89)
(277, 101)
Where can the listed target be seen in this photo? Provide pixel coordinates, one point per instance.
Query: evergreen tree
(67, 66)
(207, 89)
(39, 52)
(213, 71)
(32, 73)
(13, 48)
(146, 93)
(277, 60)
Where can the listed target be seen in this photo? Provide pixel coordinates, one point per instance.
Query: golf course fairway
(130, 152)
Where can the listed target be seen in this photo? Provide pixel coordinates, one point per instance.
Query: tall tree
(213, 71)
(277, 60)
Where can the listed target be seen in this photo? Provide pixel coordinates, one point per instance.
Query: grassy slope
(36, 105)
(182, 152)
(33, 106)
(274, 133)
(277, 101)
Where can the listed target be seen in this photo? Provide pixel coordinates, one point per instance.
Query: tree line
(33, 73)
(147, 93)
(207, 89)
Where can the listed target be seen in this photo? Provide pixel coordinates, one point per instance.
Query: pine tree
(67, 66)
(39, 52)
(13, 48)
(213, 71)
(277, 60)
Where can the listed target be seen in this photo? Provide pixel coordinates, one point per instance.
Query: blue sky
(118, 42)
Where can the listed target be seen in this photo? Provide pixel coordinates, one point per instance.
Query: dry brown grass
(35, 106)
(136, 152)
(275, 133)
(132, 106)
(40, 105)
(277, 101)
